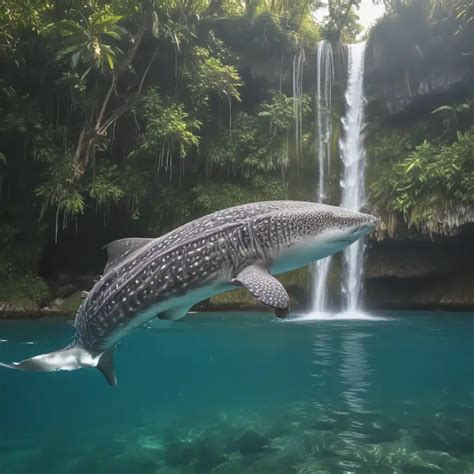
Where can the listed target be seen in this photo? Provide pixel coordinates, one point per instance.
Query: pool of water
(248, 393)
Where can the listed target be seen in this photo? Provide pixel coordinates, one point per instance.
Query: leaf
(68, 50)
(112, 34)
(442, 109)
(75, 59)
(411, 166)
(155, 27)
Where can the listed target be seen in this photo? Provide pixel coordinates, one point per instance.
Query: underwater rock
(208, 453)
(251, 442)
(179, 453)
(150, 442)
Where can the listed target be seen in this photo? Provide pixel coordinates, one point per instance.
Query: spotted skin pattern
(209, 251)
(263, 286)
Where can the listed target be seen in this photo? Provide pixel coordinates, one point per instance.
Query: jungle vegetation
(129, 117)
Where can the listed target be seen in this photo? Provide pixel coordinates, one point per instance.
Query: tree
(341, 21)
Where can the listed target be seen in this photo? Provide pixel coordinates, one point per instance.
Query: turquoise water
(247, 393)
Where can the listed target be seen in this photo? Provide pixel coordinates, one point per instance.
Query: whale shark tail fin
(72, 357)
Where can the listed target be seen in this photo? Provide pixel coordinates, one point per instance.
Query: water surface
(247, 393)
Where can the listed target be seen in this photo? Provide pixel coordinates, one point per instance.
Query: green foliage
(341, 23)
(72, 302)
(432, 187)
(210, 76)
(279, 111)
(169, 129)
(212, 197)
(23, 289)
(107, 188)
(61, 187)
(90, 38)
(171, 209)
(257, 143)
(17, 17)
(450, 113)
(387, 147)
(19, 256)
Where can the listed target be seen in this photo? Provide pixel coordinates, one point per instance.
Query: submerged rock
(208, 453)
(179, 453)
(251, 442)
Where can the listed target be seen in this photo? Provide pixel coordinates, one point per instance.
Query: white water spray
(353, 158)
(325, 76)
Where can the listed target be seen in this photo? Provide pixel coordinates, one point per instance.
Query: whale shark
(164, 277)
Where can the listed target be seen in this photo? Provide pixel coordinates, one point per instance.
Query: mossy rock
(21, 306)
(72, 302)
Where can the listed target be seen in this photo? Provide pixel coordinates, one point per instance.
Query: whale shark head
(345, 226)
(316, 231)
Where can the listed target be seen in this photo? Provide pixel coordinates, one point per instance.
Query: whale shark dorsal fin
(120, 249)
(266, 288)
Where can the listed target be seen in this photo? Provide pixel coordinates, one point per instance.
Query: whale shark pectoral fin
(118, 250)
(175, 313)
(69, 358)
(266, 288)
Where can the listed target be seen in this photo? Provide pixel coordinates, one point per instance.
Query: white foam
(345, 316)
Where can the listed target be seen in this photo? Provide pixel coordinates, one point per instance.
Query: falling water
(325, 75)
(353, 175)
(298, 62)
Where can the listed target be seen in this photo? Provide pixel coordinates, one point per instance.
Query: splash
(344, 316)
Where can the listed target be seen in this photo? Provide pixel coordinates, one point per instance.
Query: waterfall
(298, 62)
(353, 158)
(325, 75)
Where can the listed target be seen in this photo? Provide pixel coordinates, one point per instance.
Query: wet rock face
(412, 259)
(415, 62)
(420, 274)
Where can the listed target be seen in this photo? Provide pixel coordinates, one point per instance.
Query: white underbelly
(305, 253)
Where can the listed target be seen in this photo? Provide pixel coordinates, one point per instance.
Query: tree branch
(91, 135)
(344, 18)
